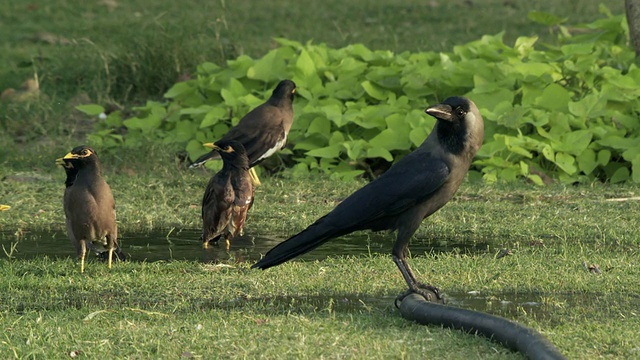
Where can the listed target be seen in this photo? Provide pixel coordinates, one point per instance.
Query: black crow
(412, 189)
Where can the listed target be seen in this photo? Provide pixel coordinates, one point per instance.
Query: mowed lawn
(340, 307)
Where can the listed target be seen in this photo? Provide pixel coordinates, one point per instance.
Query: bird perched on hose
(228, 196)
(264, 130)
(410, 191)
(89, 206)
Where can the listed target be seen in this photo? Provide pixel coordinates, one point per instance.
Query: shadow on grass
(553, 310)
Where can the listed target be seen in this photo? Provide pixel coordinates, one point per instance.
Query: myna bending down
(88, 205)
(229, 194)
(264, 130)
(414, 188)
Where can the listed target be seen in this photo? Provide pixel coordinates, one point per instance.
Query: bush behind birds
(563, 110)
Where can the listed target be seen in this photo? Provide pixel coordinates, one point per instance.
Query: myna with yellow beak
(228, 196)
(89, 206)
(264, 130)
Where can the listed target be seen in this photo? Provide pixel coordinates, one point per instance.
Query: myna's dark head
(79, 158)
(230, 151)
(459, 123)
(286, 89)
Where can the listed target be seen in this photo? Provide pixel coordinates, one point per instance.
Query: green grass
(308, 310)
(342, 306)
(170, 197)
(336, 308)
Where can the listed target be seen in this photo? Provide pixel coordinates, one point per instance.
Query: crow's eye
(228, 149)
(86, 152)
(460, 112)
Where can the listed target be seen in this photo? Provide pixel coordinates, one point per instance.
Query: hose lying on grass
(511, 334)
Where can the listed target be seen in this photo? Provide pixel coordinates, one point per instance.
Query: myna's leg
(110, 257)
(83, 252)
(205, 243)
(254, 177)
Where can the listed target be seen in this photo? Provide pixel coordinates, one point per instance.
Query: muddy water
(185, 245)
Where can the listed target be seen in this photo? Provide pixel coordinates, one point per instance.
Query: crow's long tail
(305, 241)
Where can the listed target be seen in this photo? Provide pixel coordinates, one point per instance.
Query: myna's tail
(119, 254)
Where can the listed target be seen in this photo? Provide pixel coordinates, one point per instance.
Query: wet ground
(185, 245)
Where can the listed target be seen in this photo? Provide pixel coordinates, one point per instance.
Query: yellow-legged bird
(228, 196)
(89, 206)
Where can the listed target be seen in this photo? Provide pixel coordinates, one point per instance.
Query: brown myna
(400, 199)
(89, 206)
(264, 130)
(229, 194)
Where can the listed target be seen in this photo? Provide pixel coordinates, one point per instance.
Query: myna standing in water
(88, 205)
(264, 130)
(411, 190)
(229, 194)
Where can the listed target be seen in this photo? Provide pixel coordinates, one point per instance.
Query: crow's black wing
(411, 181)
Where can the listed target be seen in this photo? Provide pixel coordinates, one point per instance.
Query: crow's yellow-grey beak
(440, 111)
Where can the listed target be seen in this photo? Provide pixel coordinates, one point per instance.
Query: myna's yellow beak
(61, 161)
(71, 156)
(216, 147)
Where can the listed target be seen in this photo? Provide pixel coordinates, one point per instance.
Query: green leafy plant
(565, 111)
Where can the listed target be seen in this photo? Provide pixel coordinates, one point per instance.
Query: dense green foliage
(567, 111)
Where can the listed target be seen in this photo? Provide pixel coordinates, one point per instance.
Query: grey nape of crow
(412, 189)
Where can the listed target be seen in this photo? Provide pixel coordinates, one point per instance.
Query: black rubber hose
(511, 334)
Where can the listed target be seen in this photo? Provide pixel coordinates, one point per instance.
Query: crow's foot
(428, 292)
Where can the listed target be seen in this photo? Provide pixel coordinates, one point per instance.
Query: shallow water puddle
(185, 245)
